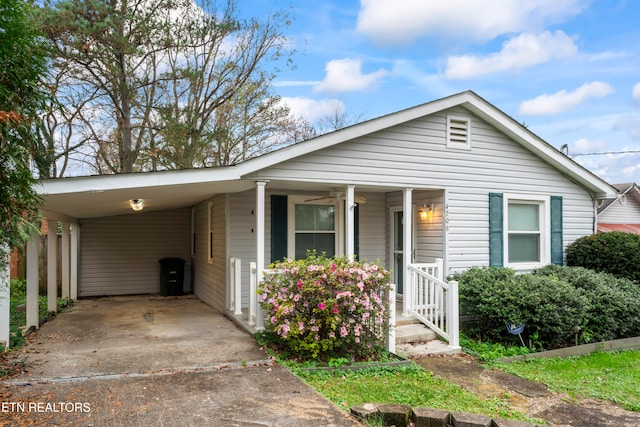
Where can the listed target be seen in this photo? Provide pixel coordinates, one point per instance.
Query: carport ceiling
(108, 195)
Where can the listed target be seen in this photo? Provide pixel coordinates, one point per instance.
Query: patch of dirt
(529, 397)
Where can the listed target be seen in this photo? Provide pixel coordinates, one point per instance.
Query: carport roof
(106, 195)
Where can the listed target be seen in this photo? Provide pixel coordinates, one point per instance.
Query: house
(452, 183)
(623, 213)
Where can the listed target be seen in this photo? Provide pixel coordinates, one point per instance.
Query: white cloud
(345, 75)
(400, 22)
(636, 92)
(584, 145)
(629, 124)
(562, 101)
(517, 53)
(311, 109)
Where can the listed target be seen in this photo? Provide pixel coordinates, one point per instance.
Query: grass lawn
(409, 385)
(612, 376)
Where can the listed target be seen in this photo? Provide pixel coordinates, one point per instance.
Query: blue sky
(568, 69)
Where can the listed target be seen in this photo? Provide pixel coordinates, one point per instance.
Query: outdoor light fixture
(136, 204)
(425, 211)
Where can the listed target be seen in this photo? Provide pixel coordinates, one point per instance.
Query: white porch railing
(433, 301)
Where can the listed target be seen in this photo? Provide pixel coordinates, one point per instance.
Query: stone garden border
(404, 416)
(579, 350)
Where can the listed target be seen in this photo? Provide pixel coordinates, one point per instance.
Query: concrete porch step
(413, 333)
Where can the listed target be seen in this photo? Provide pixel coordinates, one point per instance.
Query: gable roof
(82, 197)
(469, 100)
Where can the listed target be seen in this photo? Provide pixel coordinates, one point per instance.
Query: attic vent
(458, 132)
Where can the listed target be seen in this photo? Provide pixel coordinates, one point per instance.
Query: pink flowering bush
(322, 308)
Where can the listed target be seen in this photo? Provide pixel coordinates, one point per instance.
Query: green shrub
(556, 304)
(615, 252)
(613, 309)
(549, 308)
(327, 307)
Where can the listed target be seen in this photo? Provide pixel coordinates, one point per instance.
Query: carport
(69, 201)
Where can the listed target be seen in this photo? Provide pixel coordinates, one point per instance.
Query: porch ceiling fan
(334, 196)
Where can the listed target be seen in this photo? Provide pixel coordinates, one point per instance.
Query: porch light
(136, 204)
(425, 211)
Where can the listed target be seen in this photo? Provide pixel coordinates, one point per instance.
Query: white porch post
(65, 261)
(350, 223)
(5, 294)
(391, 338)
(260, 240)
(407, 244)
(73, 262)
(52, 266)
(33, 258)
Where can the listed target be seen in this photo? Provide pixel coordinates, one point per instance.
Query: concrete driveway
(155, 361)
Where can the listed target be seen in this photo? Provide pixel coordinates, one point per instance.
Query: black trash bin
(171, 276)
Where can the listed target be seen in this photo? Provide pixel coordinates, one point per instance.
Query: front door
(397, 248)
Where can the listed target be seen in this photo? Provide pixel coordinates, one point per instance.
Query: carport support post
(33, 258)
(260, 198)
(64, 261)
(52, 266)
(5, 295)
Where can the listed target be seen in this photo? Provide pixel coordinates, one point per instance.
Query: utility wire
(606, 152)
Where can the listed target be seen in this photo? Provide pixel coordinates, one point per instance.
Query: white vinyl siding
(210, 278)
(415, 155)
(120, 255)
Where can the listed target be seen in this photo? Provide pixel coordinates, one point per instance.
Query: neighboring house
(623, 213)
(455, 179)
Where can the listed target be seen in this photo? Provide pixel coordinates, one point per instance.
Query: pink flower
(300, 283)
(322, 306)
(335, 308)
(333, 268)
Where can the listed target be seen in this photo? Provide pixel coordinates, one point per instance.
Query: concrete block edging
(405, 416)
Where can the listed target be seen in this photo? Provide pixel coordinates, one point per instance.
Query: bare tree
(337, 118)
(156, 72)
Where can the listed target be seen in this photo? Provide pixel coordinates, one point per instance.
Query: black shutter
(279, 237)
(356, 231)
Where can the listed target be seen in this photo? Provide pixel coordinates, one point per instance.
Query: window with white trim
(312, 226)
(526, 231)
(459, 132)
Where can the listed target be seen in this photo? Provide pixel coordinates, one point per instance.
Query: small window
(210, 233)
(458, 132)
(193, 231)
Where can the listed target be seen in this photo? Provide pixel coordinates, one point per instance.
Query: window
(193, 231)
(523, 226)
(458, 132)
(525, 231)
(313, 228)
(210, 233)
